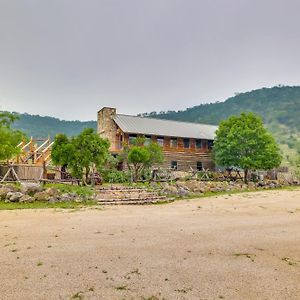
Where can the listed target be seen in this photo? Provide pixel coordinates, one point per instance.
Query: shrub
(115, 176)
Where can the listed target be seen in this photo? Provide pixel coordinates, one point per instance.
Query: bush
(67, 188)
(115, 176)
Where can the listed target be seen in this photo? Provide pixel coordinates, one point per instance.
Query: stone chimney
(106, 127)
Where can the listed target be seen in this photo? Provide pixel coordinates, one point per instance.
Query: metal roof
(159, 127)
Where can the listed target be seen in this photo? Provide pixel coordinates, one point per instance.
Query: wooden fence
(24, 172)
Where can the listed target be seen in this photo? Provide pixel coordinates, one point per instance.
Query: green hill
(279, 107)
(41, 127)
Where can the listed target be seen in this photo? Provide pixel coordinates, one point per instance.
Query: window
(198, 144)
(120, 142)
(160, 141)
(131, 138)
(173, 143)
(210, 144)
(186, 143)
(199, 166)
(174, 165)
(147, 140)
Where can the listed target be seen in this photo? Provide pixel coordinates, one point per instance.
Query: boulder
(41, 196)
(169, 190)
(52, 192)
(26, 199)
(5, 189)
(8, 195)
(3, 192)
(67, 197)
(14, 196)
(54, 199)
(182, 192)
(30, 188)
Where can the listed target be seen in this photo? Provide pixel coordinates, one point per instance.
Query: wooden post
(44, 172)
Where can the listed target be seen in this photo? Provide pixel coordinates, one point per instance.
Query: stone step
(132, 199)
(123, 195)
(141, 202)
(129, 196)
(125, 191)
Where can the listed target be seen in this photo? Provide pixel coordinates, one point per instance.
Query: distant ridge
(38, 126)
(279, 104)
(279, 107)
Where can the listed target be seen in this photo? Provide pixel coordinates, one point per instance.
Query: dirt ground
(244, 246)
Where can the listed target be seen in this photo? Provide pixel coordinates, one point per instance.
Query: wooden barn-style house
(185, 145)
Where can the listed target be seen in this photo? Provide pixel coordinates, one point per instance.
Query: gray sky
(68, 58)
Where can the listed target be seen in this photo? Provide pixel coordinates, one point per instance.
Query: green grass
(42, 205)
(68, 188)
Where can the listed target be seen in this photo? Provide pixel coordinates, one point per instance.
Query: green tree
(9, 138)
(62, 150)
(141, 157)
(138, 158)
(82, 154)
(242, 141)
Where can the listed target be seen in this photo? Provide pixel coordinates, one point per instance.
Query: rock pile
(195, 187)
(30, 192)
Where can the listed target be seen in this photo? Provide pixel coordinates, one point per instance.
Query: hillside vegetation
(42, 127)
(279, 107)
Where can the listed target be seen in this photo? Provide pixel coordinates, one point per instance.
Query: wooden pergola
(34, 152)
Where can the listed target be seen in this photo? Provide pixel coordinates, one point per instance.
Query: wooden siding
(186, 158)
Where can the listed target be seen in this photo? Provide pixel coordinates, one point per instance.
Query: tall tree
(82, 154)
(242, 141)
(9, 138)
(91, 152)
(62, 150)
(141, 156)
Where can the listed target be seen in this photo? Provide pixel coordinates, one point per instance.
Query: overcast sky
(69, 58)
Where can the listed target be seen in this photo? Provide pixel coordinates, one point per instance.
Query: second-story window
(210, 144)
(160, 141)
(186, 143)
(173, 143)
(198, 144)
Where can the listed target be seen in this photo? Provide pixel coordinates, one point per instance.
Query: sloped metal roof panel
(159, 127)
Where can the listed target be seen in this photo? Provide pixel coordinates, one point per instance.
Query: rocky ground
(243, 246)
(30, 192)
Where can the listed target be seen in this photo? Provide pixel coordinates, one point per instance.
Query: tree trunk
(246, 175)
(87, 172)
(135, 173)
